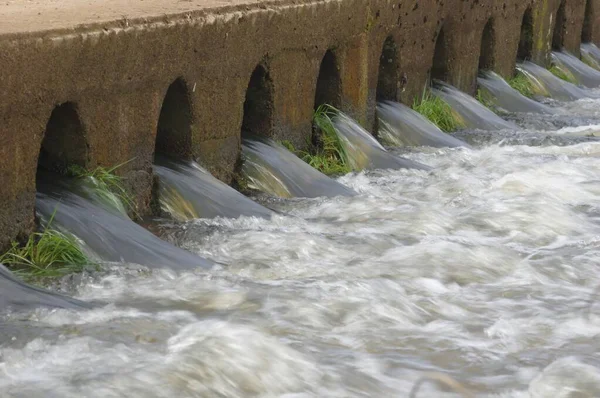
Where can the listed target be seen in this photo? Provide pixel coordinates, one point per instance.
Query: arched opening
(329, 82)
(174, 132)
(258, 106)
(586, 32)
(439, 68)
(526, 40)
(64, 141)
(486, 51)
(387, 80)
(560, 28)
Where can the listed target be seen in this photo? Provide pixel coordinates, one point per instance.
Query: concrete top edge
(27, 18)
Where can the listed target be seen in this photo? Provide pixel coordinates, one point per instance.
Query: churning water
(485, 269)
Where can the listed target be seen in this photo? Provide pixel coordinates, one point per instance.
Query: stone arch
(525, 49)
(258, 105)
(174, 130)
(487, 47)
(329, 82)
(560, 27)
(387, 78)
(64, 141)
(439, 67)
(587, 29)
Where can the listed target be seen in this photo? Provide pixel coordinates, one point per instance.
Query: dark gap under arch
(486, 51)
(387, 79)
(258, 105)
(525, 50)
(64, 141)
(329, 82)
(439, 68)
(174, 131)
(558, 36)
(586, 31)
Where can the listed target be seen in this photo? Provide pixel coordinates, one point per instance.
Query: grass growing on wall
(562, 74)
(328, 155)
(107, 185)
(522, 84)
(437, 111)
(49, 253)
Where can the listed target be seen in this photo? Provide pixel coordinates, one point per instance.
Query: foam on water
(484, 269)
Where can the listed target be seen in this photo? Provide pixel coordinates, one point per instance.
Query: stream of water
(484, 268)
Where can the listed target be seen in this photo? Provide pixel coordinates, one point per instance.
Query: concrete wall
(115, 77)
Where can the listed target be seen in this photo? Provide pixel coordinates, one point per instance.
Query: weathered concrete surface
(114, 61)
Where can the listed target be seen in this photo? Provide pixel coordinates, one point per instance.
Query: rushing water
(271, 168)
(187, 191)
(546, 84)
(590, 54)
(14, 293)
(401, 126)
(584, 74)
(108, 236)
(364, 151)
(473, 114)
(484, 269)
(506, 98)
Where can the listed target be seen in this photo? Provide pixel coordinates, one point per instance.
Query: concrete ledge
(114, 61)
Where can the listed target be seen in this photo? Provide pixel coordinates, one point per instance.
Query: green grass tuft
(288, 145)
(590, 61)
(328, 155)
(485, 98)
(106, 184)
(522, 84)
(437, 111)
(50, 253)
(563, 74)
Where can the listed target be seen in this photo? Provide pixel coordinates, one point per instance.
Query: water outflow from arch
(400, 126)
(364, 152)
(590, 54)
(547, 85)
(473, 114)
(107, 235)
(188, 191)
(17, 295)
(584, 74)
(505, 98)
(271, 168)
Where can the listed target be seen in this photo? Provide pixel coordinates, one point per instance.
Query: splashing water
(585, 75)
(188, 191)
(590, 54)
(401, 126)
(546, 84)
(363, 150)
(474, 115)
(506, 98)
(270, 168)
(484, 271)
(15, 294)
(530, 138)
(108, 236)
